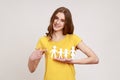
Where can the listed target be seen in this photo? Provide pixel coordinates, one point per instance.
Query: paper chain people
(62, 53)
(53, 52)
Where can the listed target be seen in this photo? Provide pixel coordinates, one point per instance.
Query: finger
(68, 60)
(60, 59)
(57, 59)
(43, 50)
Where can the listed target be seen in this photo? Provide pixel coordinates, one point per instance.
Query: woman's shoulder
(44, 37)
(73, 35)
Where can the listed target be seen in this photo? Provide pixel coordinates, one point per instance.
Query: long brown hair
(68, 27)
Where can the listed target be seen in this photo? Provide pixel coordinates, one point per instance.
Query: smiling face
(59, 22)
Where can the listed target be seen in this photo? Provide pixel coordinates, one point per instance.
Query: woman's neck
(57, 36)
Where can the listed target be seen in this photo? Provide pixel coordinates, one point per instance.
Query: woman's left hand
(65, 60)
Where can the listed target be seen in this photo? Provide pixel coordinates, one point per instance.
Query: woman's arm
(32, 65)
(91, 56)
(34, 59)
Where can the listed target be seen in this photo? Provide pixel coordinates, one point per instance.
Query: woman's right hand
(37, 54)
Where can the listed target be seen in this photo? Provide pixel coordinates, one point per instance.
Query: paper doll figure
(73, 52)
(65, 53)
(53, 52)
(60, 53)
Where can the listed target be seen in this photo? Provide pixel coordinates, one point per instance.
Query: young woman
(59, 47)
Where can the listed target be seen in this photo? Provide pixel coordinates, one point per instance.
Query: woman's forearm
(89, 60)
(32, 65)
(34, 59)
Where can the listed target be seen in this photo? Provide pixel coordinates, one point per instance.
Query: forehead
(60, 15)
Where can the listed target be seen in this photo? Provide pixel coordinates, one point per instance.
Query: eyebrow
(58, 17)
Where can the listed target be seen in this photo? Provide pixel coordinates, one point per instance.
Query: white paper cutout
(60, 53)
(53, 52)
(73, 52)
(65, 53)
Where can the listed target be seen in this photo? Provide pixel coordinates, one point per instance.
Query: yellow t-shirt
(55, 70)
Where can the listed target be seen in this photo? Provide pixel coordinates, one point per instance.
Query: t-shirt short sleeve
(39, 44)
(77, 40)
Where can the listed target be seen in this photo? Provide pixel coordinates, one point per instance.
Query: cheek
(63, 24)
(54, 21)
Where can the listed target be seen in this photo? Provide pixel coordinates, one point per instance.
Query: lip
(57, 26)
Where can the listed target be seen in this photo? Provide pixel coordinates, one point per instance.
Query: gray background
(22, 22)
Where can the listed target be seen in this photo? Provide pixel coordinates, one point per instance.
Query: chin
(57, 29)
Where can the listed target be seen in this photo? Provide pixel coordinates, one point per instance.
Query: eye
(56, 17)
(62, 20)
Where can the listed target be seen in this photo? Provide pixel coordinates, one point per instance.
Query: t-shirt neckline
(60, 40)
